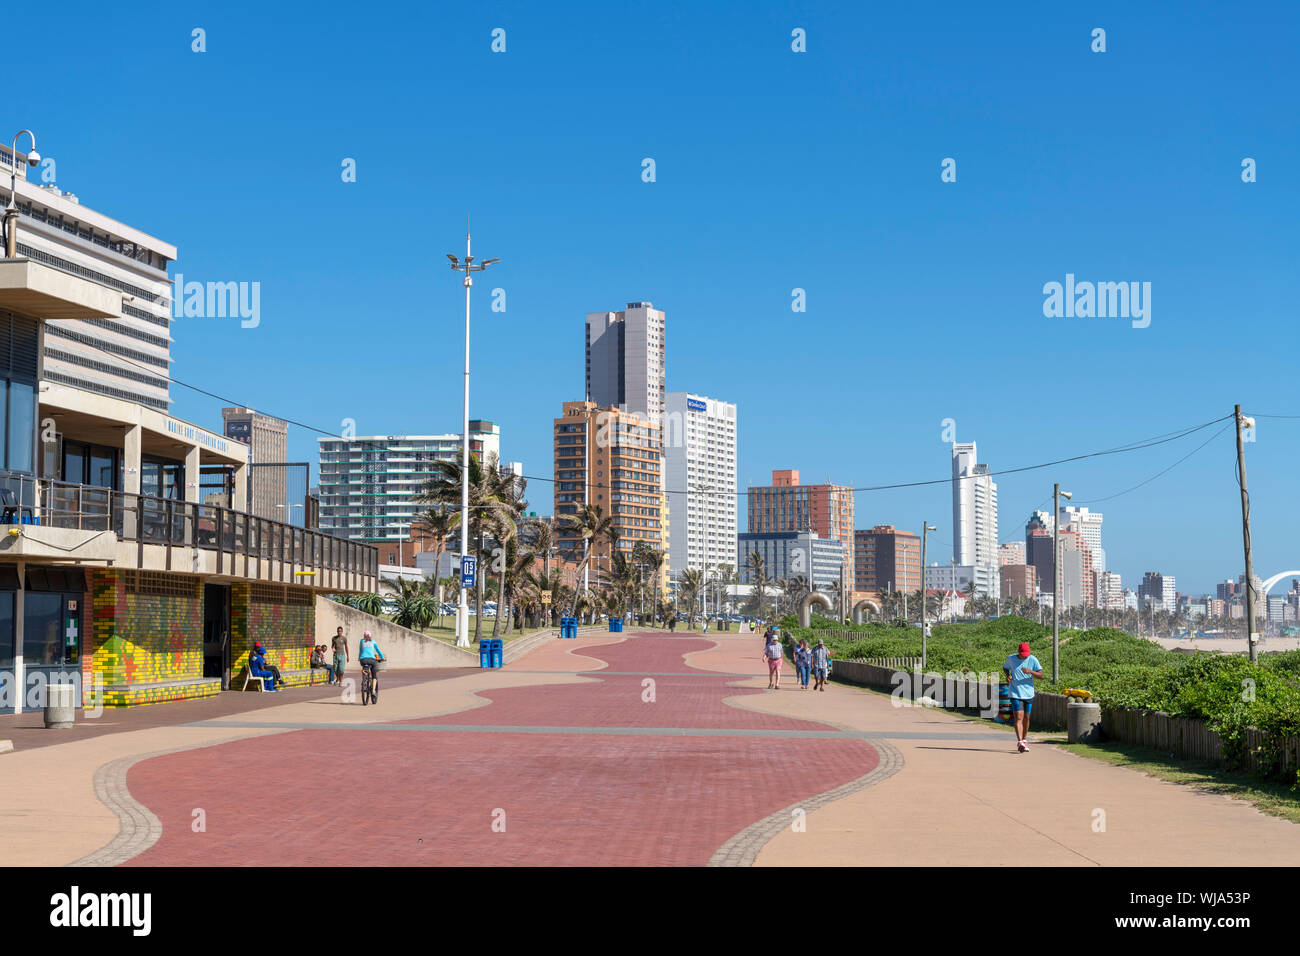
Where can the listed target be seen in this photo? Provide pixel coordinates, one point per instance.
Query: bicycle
(369, 692)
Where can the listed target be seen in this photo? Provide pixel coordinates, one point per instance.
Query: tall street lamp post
(469, 267)
(11, 208)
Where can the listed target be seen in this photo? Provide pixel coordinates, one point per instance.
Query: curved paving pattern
(579, 773)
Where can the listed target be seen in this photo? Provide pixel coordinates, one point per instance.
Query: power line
(1094, 501)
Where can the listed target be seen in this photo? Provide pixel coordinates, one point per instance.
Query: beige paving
(972, 800)
(50, 815)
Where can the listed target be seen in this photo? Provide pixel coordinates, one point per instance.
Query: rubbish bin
(615, 625)
(498, 651)
(568, 627)
(1083, 722)
(485, 653)
(60, 706)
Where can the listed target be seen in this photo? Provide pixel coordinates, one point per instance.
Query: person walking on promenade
(821, 664)
(1021, 668)
(772, 653)
(802, 663)
(340, 655)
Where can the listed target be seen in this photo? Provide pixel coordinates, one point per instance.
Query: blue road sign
(468, 565)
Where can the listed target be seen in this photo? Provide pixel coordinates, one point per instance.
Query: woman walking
(802, 663)
(772, 653)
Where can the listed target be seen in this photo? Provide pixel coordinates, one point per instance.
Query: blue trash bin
(568, 627)
(496, 650)
(615, 625)
(485, 653)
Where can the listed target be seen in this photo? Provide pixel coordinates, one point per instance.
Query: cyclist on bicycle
(367, 655)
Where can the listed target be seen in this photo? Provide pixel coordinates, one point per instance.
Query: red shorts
(774, 665)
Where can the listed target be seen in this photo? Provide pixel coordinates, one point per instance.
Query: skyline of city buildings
(886, 559)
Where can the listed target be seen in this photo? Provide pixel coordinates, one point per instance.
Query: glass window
(21, 421)
(151, 479)
(74, 462)
(103, 467)
(42, 629)
(7, 631)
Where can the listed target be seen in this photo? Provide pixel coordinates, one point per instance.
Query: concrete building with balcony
(126, 355)
(791, 554)
(786, 505)
(115, 575)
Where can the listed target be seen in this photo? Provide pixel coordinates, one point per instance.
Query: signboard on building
(695, 405)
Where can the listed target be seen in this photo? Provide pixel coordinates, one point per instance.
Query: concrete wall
(402, 646)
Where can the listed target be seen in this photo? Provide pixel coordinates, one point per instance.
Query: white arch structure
(805, 607)
(1268, 585)
(857, 609)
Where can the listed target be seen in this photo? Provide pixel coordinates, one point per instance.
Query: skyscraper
(974, 517)
(626, 360)
(699, 440)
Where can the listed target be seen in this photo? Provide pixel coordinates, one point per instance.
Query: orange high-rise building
(786, 505)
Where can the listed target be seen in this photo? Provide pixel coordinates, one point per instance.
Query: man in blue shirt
(1021, 669)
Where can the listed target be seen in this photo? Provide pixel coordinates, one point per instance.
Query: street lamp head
(33, 159)
(454, 261)
(488, 262)
(1066, 495)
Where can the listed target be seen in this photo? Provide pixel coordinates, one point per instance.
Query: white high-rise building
(627, 360)
(1088, 524)
(1110, 591)
(128, 357)
(699, 441)
(974, 515)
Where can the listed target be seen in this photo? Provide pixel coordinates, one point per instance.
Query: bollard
(1083, 722)
(60, 706)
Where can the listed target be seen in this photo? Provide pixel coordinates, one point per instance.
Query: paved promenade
(608, 749)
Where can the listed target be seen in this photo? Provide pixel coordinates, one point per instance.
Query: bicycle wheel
(365, 690)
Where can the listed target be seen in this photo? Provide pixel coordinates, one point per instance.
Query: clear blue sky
(775, 170)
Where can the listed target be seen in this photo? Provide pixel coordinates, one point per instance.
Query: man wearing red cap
(1021, 668)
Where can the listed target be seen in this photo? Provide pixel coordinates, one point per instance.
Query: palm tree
(689, 592)
(415, 605)
(758, 574)
(372, 604)
(486, 510)
(509, 492)
(590, 523)
(438, 522)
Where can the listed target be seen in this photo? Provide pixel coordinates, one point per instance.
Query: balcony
(58, 521)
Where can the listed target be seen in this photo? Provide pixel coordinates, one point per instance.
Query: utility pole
(926, 528)
(1056, 579)
(1252, 638)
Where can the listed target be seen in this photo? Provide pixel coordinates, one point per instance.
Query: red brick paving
(306, 797)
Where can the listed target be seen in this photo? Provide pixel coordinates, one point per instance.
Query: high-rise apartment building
(1110, 591)
(1038, 554)
(1159, 590)
(974, 516)
(627, 360)
(369, 485)
(1013, 552)
(699, 447)
(1088, 525)
(126, 357)
(1083, 590)
(614, 460)
(886, 559)
(268, 441)
(786, 505)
